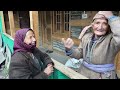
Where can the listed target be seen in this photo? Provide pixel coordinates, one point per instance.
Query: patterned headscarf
(19, 44)
(97, 16)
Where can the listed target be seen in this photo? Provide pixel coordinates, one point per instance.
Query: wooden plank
(53, 25)
(43, 30)
(51, 28)
(51, 16)
(3, 22)
(62, 22)
(8, 36)
(68, 71)
(81, 22)
(34, 24)
(45, 26)
(11, 22)
(117, 64)
(54, 21)
(42, 26)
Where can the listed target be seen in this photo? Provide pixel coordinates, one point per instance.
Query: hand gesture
(68, 43)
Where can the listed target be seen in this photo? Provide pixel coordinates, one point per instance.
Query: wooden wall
(117, 64)
(11, 21)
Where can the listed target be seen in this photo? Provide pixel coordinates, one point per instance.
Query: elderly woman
(27, 61)
(97, 48)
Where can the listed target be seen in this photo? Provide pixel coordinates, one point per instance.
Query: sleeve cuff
(68, 52)
(44, 75)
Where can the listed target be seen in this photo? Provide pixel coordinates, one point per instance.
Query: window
(58, 20)
(62, 21)
(66, 20)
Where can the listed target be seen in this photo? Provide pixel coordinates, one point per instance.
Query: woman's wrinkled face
(100, 26)
(30, 38)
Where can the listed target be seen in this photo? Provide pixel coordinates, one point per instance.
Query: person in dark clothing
(27, 61)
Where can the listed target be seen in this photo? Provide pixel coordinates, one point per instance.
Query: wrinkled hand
(107, 14)
(49, 69)
(68, 43)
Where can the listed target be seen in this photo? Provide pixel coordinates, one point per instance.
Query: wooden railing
(68, 71)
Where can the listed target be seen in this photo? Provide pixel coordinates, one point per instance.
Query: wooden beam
(40, 26)
(54, 22)
(68, 71)
(3, 22)
(43, 27)
(51, 16)
(34, 24)
(63, 22)
(117, 64)
(11, 22)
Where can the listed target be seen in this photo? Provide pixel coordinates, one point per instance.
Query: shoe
(49, 51)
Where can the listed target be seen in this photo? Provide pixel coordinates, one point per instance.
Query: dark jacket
(22, 65)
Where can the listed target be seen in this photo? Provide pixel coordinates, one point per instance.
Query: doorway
(24, 19)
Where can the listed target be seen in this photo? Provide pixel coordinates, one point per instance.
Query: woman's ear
(92, 24)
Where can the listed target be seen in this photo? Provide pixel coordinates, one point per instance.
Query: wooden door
(24, 19)
(46, 27)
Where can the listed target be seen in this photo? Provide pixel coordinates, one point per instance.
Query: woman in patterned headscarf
(28, 62)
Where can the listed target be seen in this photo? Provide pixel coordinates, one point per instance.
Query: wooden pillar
(11, 22)
(34, 24)
(62, 22)
(54, 23)
(42, 26)
(45, 26)
(3, 22)
(69, 24)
